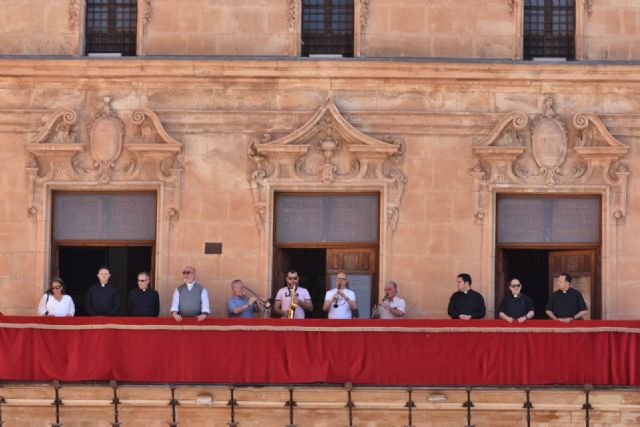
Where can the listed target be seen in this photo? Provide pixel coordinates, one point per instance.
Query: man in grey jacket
(191, 298)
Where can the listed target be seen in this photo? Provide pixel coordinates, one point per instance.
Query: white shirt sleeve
(175, 301)
(42, 306)
(72, 307)
(330, 293)
(400, 305)
(350, 294)
(204, 301)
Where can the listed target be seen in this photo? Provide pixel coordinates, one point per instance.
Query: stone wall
(217, 108)
(608, 30)
(28, 405)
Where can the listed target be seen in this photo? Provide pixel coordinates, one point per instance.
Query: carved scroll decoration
(364, 13)
(75, 8)
(514, 5)
(110, 152)
(547, 154)
(325, 153)
(292, 14)
(145, 13)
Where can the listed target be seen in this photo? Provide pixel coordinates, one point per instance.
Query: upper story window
(111, 26)
(549, 29)
(327, 27)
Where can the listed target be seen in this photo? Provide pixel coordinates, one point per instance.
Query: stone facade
(195, 128)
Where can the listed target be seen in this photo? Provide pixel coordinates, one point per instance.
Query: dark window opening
(327, 27)
(111, 26)
(78, 266)
(549, 29)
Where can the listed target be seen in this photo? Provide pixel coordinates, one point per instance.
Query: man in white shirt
(190, 299)
(392, 306)
(340, 302)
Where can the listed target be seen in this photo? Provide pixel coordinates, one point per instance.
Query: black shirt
(516, 307)
(566, 304)
(102, 300)
(469, 303)
(144, 303)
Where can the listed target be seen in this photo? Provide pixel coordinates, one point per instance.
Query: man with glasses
(465, 303)
(102, 298)
(292, 292)
(392, 306)
(190, 299)
(516, 305)
(340, 302)
(143, 301)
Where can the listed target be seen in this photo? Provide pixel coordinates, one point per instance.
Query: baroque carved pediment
(105, 151)
(545, 153)
(328, 151)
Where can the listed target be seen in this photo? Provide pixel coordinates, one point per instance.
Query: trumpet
(264, 305)
(375, 313)
(291, 313)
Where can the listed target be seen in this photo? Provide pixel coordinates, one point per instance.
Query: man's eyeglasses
(515, 286)
(143, 280)
(186, 273)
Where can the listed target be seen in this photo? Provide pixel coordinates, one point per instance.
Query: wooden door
(582, 265)
(502, 269)
(360, 264)
(282, 263)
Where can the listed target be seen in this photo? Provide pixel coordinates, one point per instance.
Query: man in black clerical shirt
(102, 298)
(466, 303)
(566, 304)
(515, 305)
(143, 301)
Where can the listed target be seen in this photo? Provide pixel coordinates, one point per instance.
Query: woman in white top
(54, 302)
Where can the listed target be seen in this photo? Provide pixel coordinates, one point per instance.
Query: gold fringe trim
(334, 329)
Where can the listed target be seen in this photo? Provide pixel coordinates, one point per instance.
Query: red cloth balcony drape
(400, 352)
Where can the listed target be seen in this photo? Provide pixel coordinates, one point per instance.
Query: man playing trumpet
(239, 305)
(292, 300)
(392, 306)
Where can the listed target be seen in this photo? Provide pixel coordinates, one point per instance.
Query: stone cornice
(287, 68)
(376, 122)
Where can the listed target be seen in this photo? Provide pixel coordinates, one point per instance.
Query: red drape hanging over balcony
(403, 352)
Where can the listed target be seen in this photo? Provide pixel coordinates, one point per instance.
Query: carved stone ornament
(514, 5)
(145, 13)
(139, 154)
(364, 13)
(548, 155)
(75, 7)
(292, 13)
(327, 153)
